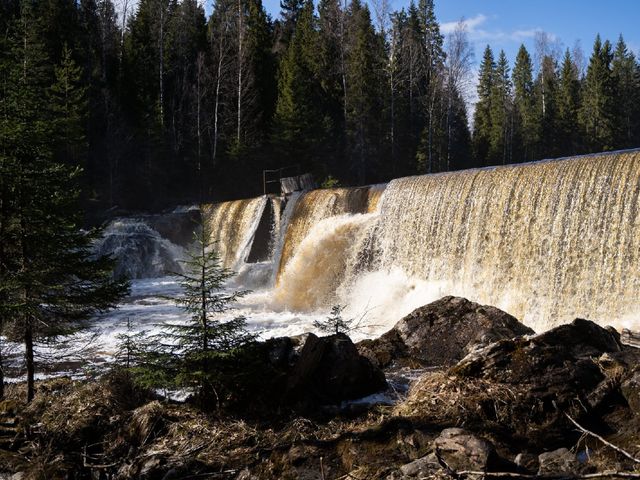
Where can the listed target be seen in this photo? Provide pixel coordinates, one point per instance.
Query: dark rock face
(573, 365)
(631, 391)
(330, 369)
(557, 364)
(442, 333)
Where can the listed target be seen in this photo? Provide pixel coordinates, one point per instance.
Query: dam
(547, 242)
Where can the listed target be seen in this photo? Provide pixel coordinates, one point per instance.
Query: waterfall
(314, 206)
(547, 242)
(234, 225)
(139, 250)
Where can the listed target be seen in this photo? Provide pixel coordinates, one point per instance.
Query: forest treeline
(176, 107)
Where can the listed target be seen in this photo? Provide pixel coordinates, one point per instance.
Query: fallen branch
(605, 474)
(608, 444)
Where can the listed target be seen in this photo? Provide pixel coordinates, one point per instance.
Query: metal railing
(267, 173)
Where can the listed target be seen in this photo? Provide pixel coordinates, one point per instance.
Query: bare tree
(458, 74)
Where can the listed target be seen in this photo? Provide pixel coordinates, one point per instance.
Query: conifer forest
(158, 103)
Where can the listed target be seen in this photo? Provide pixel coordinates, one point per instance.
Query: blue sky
(505, 24)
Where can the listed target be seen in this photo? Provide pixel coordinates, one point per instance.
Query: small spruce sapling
(199, 355)
(335, 323)
(131, 347)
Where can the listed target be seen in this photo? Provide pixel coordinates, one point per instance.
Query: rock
(330, 370)
(555, 367)
(631, 391)
(462, 450)
(527, 461)
(557, 462)
(442, 333)
(422, 467)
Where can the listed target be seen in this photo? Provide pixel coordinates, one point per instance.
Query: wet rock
(441, 333)
(330, 370)
(557, 462)
(555, 367)
(631, 391)
(462, 450)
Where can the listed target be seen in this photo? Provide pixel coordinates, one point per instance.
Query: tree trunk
(28, 356)
(240, 72)
(1, 373)
(161, 65)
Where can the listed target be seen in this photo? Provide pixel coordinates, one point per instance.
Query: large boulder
(329, 370)
(526, 384)
(556, 365)
(569, 368)
(441, 333)
(631, 391)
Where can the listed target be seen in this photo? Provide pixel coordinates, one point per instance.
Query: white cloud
(479, 32)
(470, 23)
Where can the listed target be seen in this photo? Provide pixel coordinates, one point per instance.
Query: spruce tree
(500, 139)
(626, 74)
(526, 120)
(482, 116)
(546, 88)
(298, 126)
(363, 104)
(597, 113)
(199, 355)
(568, 104)
(53, 282)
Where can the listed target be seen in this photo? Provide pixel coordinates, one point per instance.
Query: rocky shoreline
(492, 399)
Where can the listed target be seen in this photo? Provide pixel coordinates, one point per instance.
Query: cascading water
(140, 251)
(233, 227)
(317, 205)
(547, 242)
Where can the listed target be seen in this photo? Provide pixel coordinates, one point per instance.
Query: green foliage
(199, 355)
(527, 132)
(597, 112)
(335, 323)
(330, 182)
(51, 281)
(568, 106)
(482, 117)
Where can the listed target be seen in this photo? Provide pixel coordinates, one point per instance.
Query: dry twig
(608, 444)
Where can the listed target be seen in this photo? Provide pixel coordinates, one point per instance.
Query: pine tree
(482, 116)
(546, 88)
(597, 112)
(500, 114)
(69, 108)
(432, 69)
(199, 355)
(335, 323)
(363, 104)
(298, 127)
